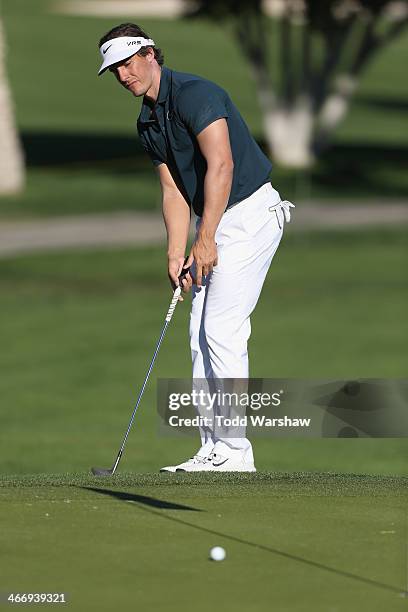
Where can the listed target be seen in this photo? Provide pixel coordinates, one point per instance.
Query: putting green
(294, 541)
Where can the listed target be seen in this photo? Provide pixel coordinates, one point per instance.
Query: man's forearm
(217, 189)
(176, 214)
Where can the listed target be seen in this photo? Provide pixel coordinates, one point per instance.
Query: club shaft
(168, 318)
(142, 390)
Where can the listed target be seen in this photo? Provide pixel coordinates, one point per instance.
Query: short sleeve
(200, 103)
(155, 159)
(154, 156)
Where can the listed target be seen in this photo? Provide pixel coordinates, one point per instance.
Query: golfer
(208, 162)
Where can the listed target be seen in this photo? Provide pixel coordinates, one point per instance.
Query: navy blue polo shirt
(186, 104)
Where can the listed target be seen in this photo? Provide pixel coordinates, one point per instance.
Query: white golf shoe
(222, 459)
(197, 461)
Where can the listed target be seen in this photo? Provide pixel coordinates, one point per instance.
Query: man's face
(135, 73)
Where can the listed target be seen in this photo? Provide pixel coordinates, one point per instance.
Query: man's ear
(150, 54)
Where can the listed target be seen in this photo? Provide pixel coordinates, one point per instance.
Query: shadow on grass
(52, 149)
(345, 170)
(142, 499)
(362, 168)
(393, 105)
(154, 503)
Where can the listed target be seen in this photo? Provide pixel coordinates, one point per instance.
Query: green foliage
(221, 9)
(79, 131)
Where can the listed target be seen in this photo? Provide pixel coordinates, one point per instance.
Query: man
(206, 160)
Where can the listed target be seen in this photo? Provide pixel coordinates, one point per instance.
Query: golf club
(170, 312)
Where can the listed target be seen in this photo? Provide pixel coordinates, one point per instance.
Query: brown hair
(131, 29)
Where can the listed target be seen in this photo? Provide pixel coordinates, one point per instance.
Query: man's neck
(152, 94)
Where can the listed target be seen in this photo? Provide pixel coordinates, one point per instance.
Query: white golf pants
(247, 238)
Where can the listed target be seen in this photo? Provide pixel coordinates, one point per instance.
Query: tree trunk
(334, 110)
(289, 133)
(12, 173)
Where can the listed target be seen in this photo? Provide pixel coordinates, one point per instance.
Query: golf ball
(217, 553)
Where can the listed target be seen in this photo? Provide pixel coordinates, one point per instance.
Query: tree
(324, 47)
(12, 173)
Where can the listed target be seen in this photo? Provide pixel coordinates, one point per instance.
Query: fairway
(294, 541)
(80, 329)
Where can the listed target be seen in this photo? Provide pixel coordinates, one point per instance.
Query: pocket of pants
(255, 215)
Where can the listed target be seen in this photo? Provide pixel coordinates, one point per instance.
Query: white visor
(121, 48)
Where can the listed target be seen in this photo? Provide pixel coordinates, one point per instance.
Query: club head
(102, 472)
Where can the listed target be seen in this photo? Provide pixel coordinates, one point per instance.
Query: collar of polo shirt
(121, 48)
(164, 93)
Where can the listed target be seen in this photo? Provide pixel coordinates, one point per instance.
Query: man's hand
(175, 267)
(215, 146)
(204, 253)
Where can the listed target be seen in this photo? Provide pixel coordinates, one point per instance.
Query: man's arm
(215, 146)
(176, 214)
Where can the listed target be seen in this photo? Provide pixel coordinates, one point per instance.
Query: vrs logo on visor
(120, 49)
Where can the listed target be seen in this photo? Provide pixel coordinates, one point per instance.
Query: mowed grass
(321, 526)
(79, 131)
(79, 330)
(293, 541)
